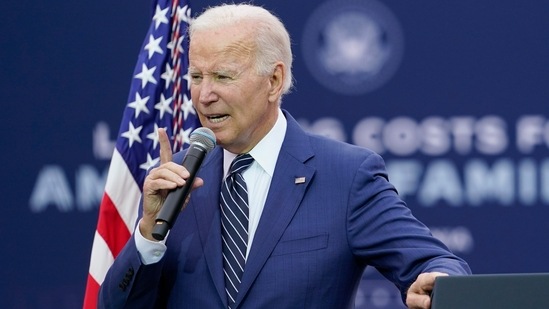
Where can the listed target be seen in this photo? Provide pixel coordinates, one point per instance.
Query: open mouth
(217, 118)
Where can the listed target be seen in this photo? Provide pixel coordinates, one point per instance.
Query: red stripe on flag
(92, 292)
(111, 226)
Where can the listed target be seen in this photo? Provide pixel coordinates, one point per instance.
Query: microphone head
(203, 136)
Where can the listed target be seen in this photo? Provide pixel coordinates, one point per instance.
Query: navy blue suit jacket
(313, 242)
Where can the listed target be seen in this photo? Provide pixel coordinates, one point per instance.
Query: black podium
(501, 291)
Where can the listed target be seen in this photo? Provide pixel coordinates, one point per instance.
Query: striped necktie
(234, 224)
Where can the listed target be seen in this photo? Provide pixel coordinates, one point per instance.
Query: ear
(276, 82)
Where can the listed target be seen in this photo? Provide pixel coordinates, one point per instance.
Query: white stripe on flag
(123, 190)
(101, 259)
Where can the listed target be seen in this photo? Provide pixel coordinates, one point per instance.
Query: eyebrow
(224, 71)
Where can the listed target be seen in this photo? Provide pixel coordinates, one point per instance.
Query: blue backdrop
(453, 95)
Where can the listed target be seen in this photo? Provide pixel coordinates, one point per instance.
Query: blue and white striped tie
(234, 224)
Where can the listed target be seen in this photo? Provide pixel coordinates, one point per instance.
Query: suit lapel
(208, 218)
(288, 186)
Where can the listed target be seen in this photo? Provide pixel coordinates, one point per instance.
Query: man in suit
(318, 213)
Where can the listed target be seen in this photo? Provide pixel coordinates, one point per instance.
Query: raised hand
(160, 180)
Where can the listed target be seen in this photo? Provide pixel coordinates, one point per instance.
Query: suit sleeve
(129, 283)
(383, 232)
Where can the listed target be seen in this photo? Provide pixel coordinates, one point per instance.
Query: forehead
(232, 44)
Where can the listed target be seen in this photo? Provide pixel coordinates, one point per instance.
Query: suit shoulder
(322, 144)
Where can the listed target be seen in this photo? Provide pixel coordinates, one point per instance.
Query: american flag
(159, 98)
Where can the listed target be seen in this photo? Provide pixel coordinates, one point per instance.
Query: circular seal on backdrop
(352, 47)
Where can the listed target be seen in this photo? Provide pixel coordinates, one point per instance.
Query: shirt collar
(265, 153)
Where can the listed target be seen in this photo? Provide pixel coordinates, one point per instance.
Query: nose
(206, 92)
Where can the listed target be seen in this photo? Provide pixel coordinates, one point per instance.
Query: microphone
(202, 141)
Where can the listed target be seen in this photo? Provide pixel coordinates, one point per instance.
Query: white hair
(271, 37)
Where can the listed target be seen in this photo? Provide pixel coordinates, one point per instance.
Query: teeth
(217, 119)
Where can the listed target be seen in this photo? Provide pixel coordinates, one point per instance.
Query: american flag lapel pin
(299, 180)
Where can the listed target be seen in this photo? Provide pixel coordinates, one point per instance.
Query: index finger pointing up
(165, 146)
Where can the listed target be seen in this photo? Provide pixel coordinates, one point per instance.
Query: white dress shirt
(258, 180)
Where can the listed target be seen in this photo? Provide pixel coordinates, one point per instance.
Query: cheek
(195, 93)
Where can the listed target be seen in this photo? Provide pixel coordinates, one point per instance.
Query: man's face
(229, 96)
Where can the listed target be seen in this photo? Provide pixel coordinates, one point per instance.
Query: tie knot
(241, 163)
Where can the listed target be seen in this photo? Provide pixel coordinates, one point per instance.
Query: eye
(222, 77)
(196, 78)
